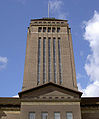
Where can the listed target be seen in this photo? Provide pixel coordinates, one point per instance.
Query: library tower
(49, 88)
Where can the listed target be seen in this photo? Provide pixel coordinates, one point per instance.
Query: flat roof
(48, 19)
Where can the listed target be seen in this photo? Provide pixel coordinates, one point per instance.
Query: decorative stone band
(50, 103)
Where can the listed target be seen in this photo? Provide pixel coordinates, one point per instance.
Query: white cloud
(3, 62)
(92, 90)
(55, 5)
(56, 9)
(3, 59)
(16, 96)
(91, 34)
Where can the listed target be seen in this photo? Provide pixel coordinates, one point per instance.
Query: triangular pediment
(50, 91)
(55, 94)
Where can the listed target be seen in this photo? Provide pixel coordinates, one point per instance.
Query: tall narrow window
(56, 115)
(54, 58)
(39, 55)
(39, 29)
(58, 29)
(69, 115)
(44, 29)
(53, 29)
(59, 57)
(31, 115)
(44, 59)
(44, 115)
(49, 29)
(49, 59)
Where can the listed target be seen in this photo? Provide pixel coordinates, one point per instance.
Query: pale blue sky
(15, 16)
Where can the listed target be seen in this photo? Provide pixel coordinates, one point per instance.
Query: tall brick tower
(49, 54)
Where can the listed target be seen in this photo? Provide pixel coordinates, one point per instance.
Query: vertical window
(54, 58)
(49, 59)
(39, 55)
(58, 30)
(56, 115)
(44, 115)
(53, 29)
(69, 115)
(32, 115)
(44, 29)
(59, 57)
(49, 29)
(44, 59)
(39, 29)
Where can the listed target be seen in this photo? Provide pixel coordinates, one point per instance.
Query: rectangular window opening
(44, 115)
(56, 115)
(49, 59)
(31, 115)
(49, 29)
(53, 29)
(44, 29)
(44, 60)
(39, 29)
(58, 30)
(69, 115)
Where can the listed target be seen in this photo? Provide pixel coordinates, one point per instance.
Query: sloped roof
(48, 84)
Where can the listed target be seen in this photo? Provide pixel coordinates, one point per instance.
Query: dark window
(53, 29)
(59, 57)
(62, 97)
(49, 29)
(62, 22)
(54, 58)
(58, 30)
(44, 22)
(57, 22)
(39, 29)
(39, 55)
(50, 97)
(44, 97)
(56, 97)
(49, 59)
(39, 38)
(44, 59)
(44, 29)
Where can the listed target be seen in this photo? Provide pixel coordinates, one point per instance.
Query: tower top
(49, 54)
(48, 19)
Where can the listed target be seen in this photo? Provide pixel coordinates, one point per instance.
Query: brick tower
(49, 54)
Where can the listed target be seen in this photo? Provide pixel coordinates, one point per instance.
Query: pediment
(50, 91)
(55, 94)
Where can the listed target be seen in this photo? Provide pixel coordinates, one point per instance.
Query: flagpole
(48, 9)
